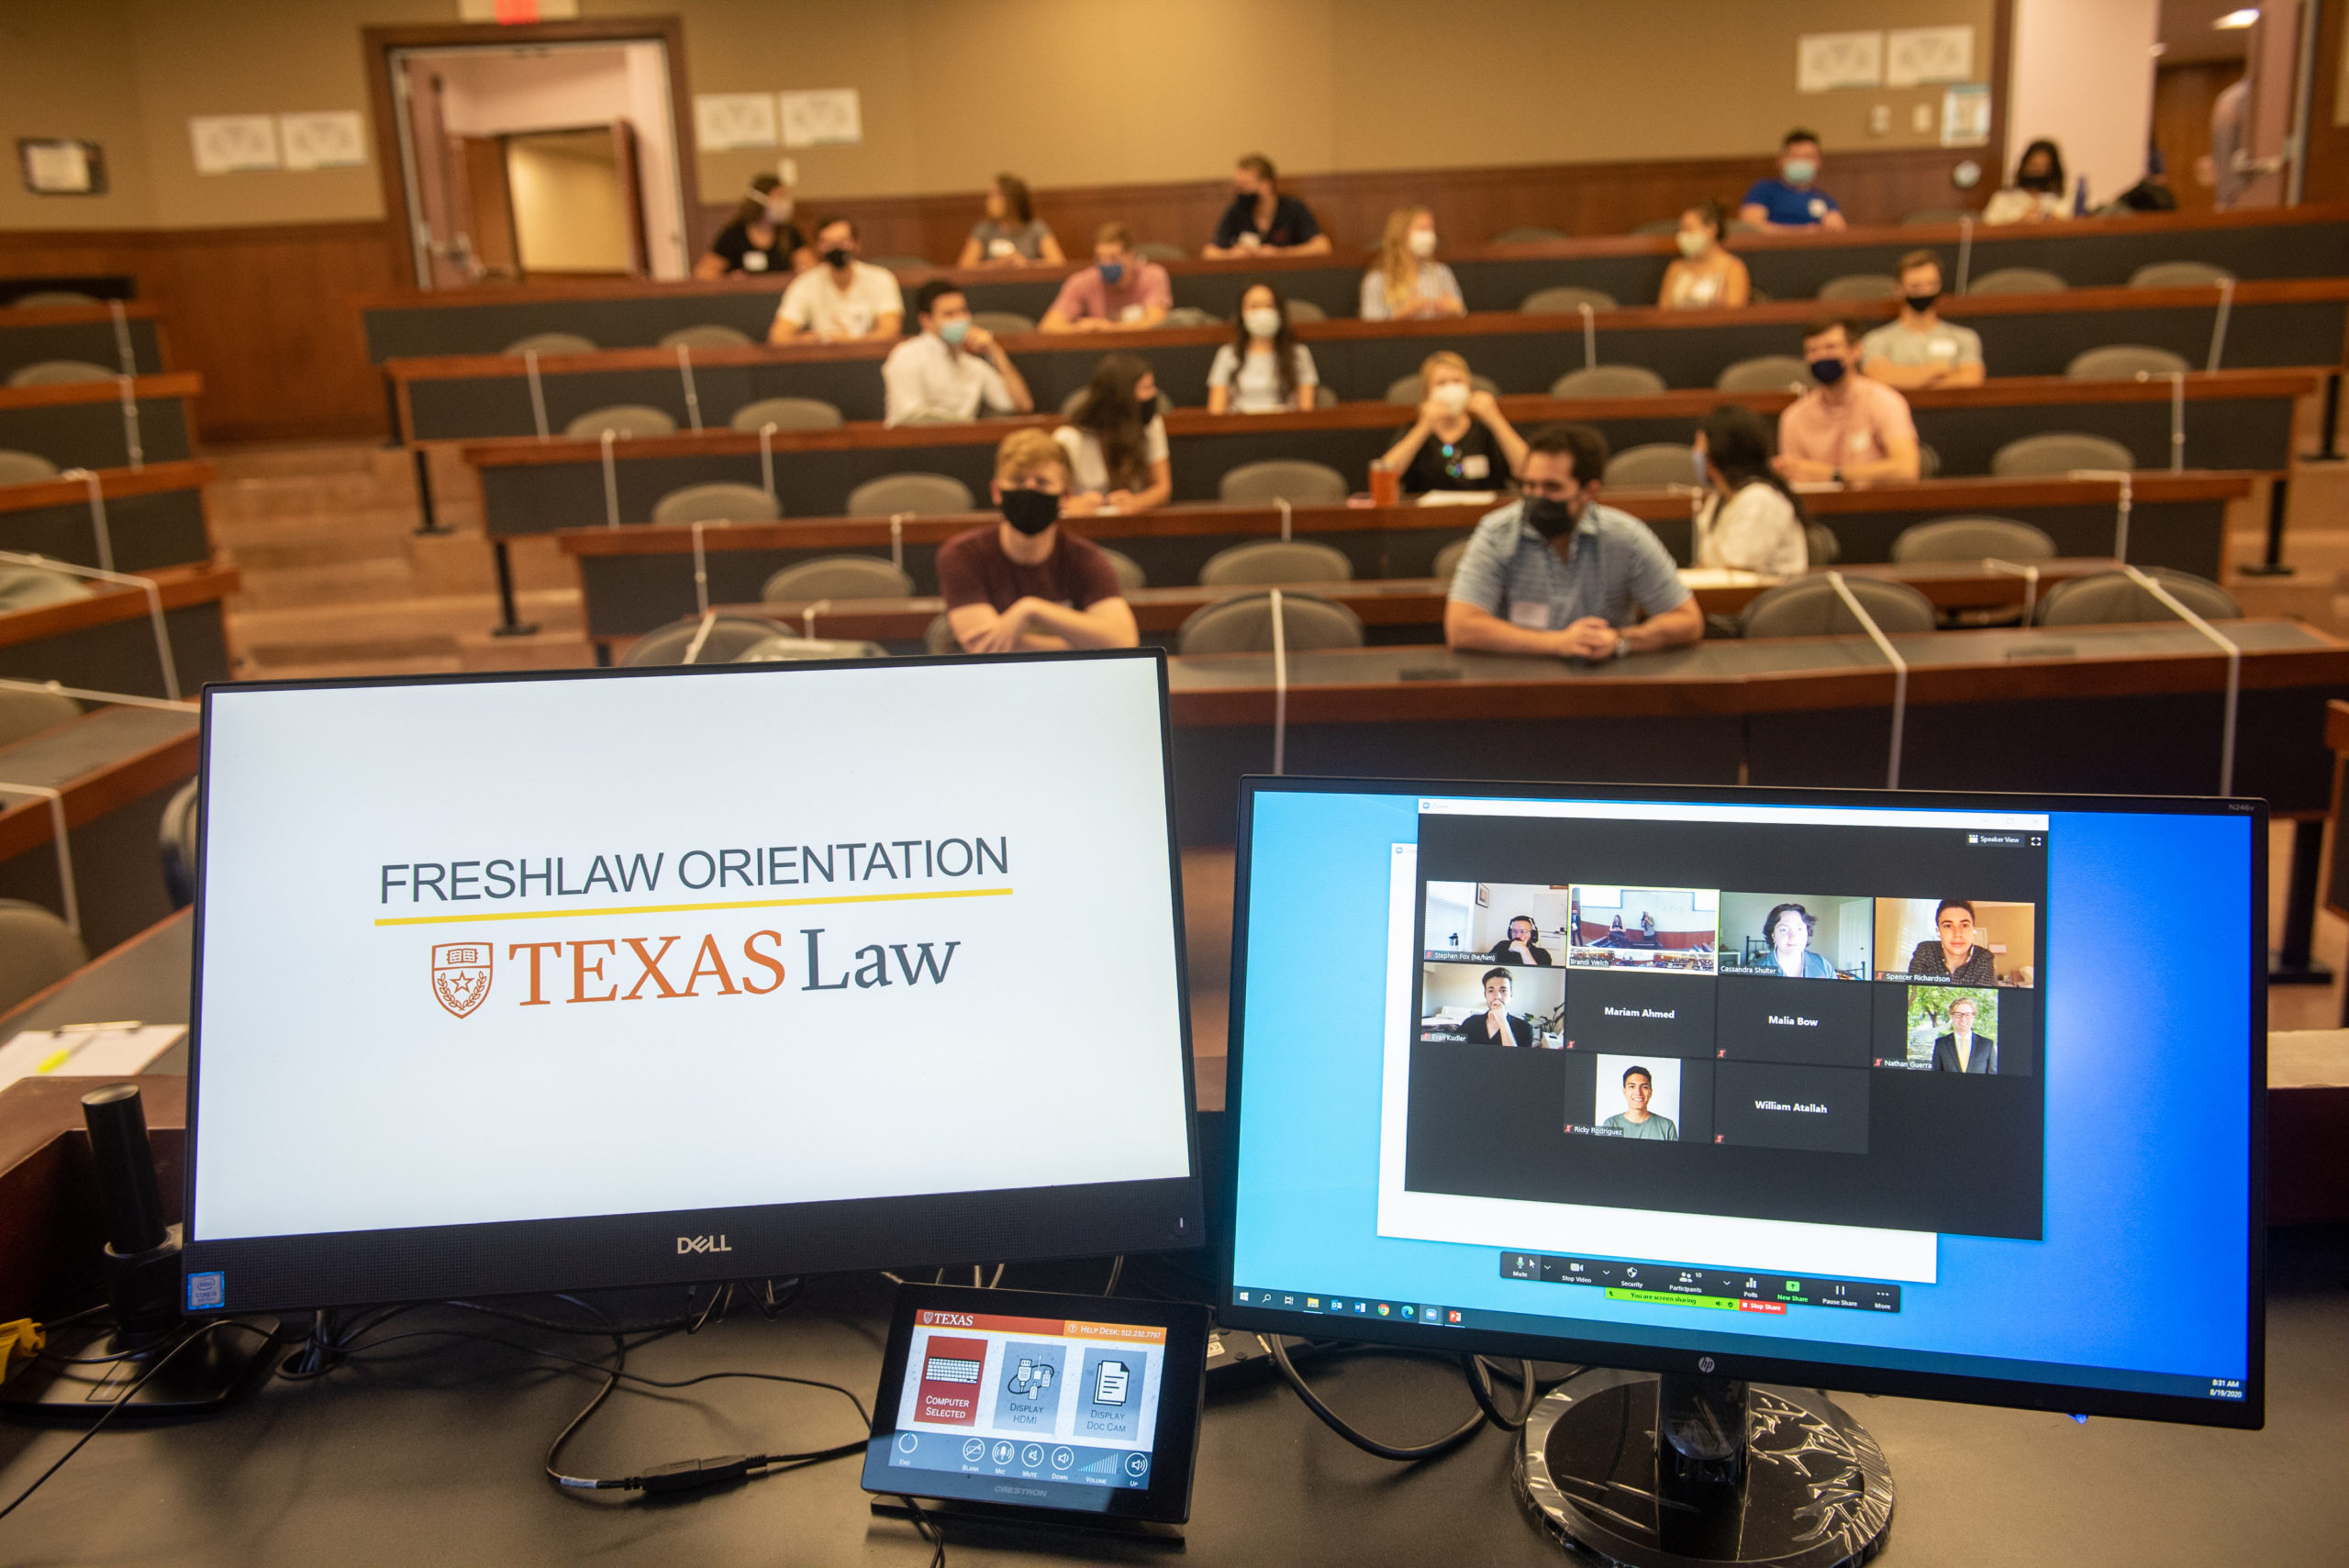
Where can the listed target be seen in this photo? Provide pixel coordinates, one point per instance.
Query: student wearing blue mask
(1119, 289)
(1793, 200)
(945, 373)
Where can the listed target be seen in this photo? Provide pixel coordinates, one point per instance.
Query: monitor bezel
(358, 1268)
(1734, 1361)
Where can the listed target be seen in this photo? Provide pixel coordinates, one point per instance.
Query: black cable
(1360, 1440)
(926, 1528)
(124, 1399)
(1116, 1267)
(1480, 1383)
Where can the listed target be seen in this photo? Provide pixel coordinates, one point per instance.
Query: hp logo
(1704, 1364)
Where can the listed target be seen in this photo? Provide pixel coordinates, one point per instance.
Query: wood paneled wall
(1471, 206)
(264, 313)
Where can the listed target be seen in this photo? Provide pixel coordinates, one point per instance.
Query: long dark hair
(1017, 202)
(2055, 163)
(1285, 344)
(754, 209)
(1737, 447)
(1115, 418)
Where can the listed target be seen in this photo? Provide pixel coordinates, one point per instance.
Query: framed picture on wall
(61, 166)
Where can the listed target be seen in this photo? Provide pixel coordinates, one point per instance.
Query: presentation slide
(532, 948)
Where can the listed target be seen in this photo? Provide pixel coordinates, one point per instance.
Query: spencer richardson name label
(497, 878)
(1614, 1012)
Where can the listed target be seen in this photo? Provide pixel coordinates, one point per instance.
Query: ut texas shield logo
(460, 976)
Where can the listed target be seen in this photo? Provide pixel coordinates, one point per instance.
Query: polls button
(1031, 1456)
(1136, 1463)
(907, 1442)
(1063, 1459)
(975, 1450)
(1003, 1454)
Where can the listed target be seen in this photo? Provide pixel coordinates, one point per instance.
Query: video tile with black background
(1779, 1073)
(1661, 930)
(1643, 1098)
(1496, 922)
(1971, 1030)
(1492, 1004)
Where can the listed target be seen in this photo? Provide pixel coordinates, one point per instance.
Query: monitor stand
(1733, 1472)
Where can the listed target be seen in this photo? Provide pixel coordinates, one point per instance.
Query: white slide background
(335, 1093)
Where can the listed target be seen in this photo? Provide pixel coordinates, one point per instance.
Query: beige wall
(1067, 92)
(2084, 76)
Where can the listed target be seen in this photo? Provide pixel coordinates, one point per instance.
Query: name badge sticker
(1533, 616)
(1475, 465)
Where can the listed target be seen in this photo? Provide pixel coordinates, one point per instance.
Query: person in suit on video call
(1961, 1049)
(1496, 1025)
(1519, 946)
(1956, 956)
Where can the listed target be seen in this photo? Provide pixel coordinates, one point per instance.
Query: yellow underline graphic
(696, 908)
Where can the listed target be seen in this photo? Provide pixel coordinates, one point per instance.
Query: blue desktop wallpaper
(2143, 1266)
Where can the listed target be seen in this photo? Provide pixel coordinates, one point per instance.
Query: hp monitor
(596, 978)
(1951, 1096)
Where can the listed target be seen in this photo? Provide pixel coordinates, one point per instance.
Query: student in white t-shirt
(1116, 441)
(1263, 369)
(1749, 520)
(843, 300)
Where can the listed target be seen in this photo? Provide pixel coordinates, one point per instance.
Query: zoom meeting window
(1714, 1020)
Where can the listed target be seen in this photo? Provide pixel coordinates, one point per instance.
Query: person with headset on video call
(1496, 1025)
(1519, 946)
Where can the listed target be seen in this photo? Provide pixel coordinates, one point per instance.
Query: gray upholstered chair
(730, 637)
(1973, 539)
(1191, 316)
(53, 299)
(61, 373)
(1130, 572)
(707, 335)
(2059, 452)
(37, 950)
(1657, 227)
(1160, 250)
(1447, 560)
(1608, 381)
(176, 842)
(1809, 607)
(2017, 280)
(1860, 285)
(28, 713)
(1935, 215)
(620, 419)
(1285, 479)
(1301, 311)
(1764, 373)
(787, 413)
(1651, 466)
(25, 468)
(2124, 361)
(921, 494)
(1534, 234)
(1821, 545)
(938, 636)
(2111, 598)
(27, 587)
(545, 343)
(723, 501)
(789, 647)
(1564, 299)
(2179, 276)
(1002, 321)
(1245, 625)
(1409, 391)
(837, 577)
(1273, 561)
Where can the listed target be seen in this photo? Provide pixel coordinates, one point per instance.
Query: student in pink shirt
(1119, 289)
(1848, 430)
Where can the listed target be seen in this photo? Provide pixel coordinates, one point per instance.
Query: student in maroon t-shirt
(1022, 584)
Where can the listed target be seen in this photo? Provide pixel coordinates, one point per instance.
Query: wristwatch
(1622, 645)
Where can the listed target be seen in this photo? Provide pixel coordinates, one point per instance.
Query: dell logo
(702, 1244)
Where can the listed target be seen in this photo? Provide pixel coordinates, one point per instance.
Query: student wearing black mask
(1917, 348)
(2037, 195)
(842, 301)
(1023, 583)
(1558, 573)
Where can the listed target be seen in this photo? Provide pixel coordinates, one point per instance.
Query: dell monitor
(1952, 1096)
(583, 979)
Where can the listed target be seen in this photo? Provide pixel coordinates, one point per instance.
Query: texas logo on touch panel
(460, 976)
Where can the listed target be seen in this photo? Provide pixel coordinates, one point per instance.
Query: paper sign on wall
(334, 140)
(1965, 115)
(1923, 57)
(1825, 61)
(64, 167)
(832, 117)
(723, 121)
(231, 144)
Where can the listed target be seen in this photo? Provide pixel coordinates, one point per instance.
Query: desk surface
(146, 978)
(100, 761)
(435, 1459)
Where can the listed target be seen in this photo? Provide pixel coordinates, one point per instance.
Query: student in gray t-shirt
(1636, 1121)
(1917, 348)
(1011, 235)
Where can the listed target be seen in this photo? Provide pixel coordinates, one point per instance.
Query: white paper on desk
(1459, 498)
(93, 1053)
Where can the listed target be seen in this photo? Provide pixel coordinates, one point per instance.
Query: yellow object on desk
(20, 1340)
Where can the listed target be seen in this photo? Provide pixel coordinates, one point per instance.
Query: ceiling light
(2234, 19)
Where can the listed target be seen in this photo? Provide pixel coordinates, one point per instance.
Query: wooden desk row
(107, 642)
(639, 577)
(88, 424)
(153, 517)
(2308, 242)
(116, 768)
(489, 394)
(133, 341)
(2232, 420)
(2129, 709)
